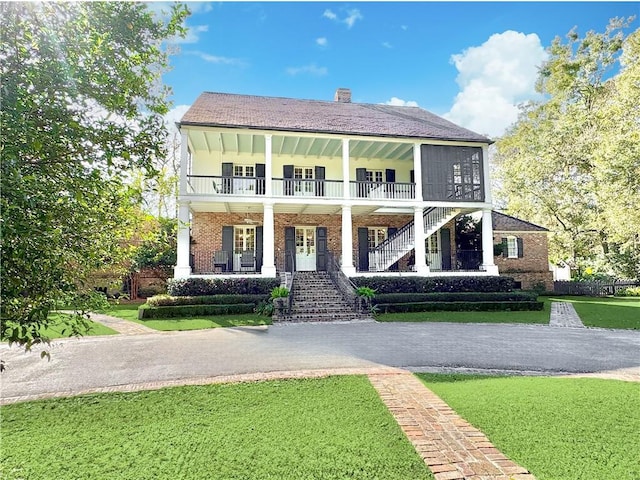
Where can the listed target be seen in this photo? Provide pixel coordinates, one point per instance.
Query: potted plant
(365, 295)
(279, 295)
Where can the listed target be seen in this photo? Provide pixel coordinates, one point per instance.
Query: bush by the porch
(459, 307)
(148, 312)
(516, 296)
(384, 285)
(221, 286)
(169, 301)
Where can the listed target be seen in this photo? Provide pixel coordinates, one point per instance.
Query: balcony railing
(293, 187)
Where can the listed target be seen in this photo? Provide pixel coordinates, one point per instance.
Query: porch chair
(247, 260)
(220, 260)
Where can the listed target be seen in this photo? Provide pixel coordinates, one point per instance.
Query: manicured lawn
(558, 428)
(606, 312)
(333, 428)
(56, 328)
(130, 312)
(541, 316)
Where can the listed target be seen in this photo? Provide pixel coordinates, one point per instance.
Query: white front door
(305, 249)
(244, 186)
(300, 186)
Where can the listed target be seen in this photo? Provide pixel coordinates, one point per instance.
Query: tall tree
(564, 160)
(82, 104)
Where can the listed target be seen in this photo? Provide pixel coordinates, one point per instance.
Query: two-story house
(272, 184)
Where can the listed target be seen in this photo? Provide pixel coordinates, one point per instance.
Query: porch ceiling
(292, 145)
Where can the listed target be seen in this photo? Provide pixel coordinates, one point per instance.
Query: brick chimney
(343, 95)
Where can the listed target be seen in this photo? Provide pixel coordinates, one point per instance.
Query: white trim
(182, 268)
(417, 171)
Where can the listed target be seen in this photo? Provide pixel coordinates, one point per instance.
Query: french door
(305, 248)
(244, 239)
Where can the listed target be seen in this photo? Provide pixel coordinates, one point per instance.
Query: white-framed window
(374, 176)
(244, 238)
(375, 236)
(300, 174)
(244, 171)
(512, 247)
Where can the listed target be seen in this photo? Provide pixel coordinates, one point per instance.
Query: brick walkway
(450, 446)
(124, 327)
(564, 315)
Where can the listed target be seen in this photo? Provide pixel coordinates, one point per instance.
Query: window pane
(512, 247)
(248, 171)
(237, 171)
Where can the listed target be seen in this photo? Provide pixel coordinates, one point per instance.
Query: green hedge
(517, 296)
(435, 284)
(458, 306)
(197, 287)
(168, 301)
(147, 312)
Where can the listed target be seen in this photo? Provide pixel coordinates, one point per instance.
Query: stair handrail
(343, 283)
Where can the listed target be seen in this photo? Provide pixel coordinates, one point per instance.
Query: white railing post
(347, 242)
(345, 171)
(419, 242)
(417, 171)
(184, 161)
(487, 243)
(268, 166)
(268, 242)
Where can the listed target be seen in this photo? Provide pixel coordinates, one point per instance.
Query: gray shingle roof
(506, 223)
(288, 114)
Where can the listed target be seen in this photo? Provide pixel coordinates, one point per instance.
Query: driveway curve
(91, 363)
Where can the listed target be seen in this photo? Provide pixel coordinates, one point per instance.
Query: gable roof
(289, 114)
(506, 223)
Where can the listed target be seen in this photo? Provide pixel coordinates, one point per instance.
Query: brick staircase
(316, 299)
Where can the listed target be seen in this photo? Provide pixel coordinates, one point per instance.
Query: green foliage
(265, 308)
(146, 311)
(221, 286)
(81, 105)
(279, 292)
(382, 285)
(558, 428)
(514, 306)
(331, 429)
(169, 301)
(517, 296)
(628, 292)
(365, 292)
(571, 161)
(159, 249)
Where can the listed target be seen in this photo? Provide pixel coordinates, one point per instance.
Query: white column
(184, 161)
(487, 243)
(268, 242)
(417, 170)
(268, 168)
(420, 249)
(345, 172)
(488, 198)
(182, 268)
(347, 242)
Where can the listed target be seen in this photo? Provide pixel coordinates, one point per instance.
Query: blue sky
(471, 62)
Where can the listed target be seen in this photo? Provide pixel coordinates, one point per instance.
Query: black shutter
(391, 231)
(289, 249)
(412, 176)
(259, 240)
(520, 247)
(505, 247)
(319, 174)
(227, 178)
(445, 243)
(287, 173)
(260, 174)
(361, 178)
(363, 249)
(321, 249)
(227, 245)
(390, 177)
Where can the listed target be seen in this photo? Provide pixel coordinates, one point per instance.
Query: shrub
(264, 308)
(384, 285)
(458, 306)
(628, 292)
(365, 292)
(518, 296)
(221, 286)
(169, 301)
(147, 312)
(279, 292)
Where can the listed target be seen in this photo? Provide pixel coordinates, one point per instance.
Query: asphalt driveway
(94, 362)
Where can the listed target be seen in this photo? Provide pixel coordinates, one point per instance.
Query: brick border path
(449, 445)
(563, 314)
(123, 327)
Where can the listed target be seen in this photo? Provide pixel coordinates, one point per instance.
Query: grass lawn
(558, 428)
(333, 428)
(606, 312)
(56, 328)
(129, 311)
(541, 316)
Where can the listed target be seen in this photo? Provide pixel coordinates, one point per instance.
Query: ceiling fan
(250, 221)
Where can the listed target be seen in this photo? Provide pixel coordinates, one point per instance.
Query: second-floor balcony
(225, 186)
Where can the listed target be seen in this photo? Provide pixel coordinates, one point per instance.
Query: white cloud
(404, 27)
(494, 78)
(386, 45)
(174, 115)
(329, 14)
(398, 102)
(350, 19)
(199, 7)
(311, 69)
(322, 41)
(207, 57)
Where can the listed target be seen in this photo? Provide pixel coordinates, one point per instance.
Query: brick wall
(533, 267)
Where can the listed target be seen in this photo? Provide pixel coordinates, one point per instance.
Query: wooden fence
(594, 289)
